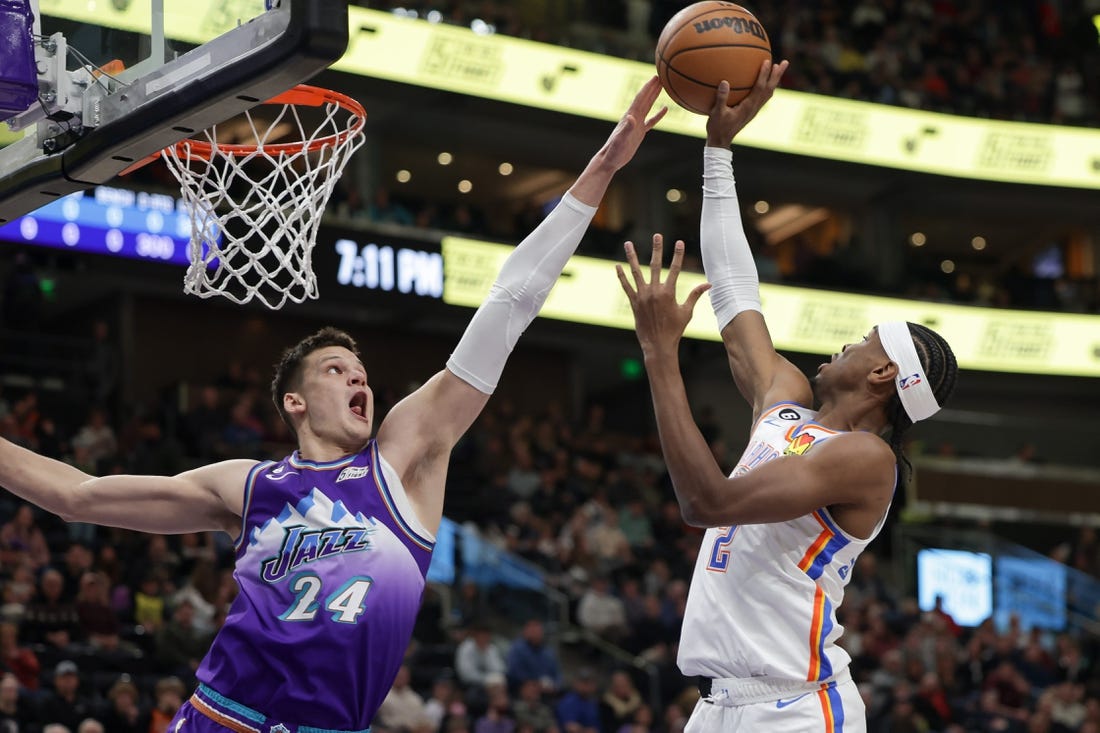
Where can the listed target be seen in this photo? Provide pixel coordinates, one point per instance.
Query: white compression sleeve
(727, 259)
(520, 289)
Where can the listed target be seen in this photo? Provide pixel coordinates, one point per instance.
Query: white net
(256, 207)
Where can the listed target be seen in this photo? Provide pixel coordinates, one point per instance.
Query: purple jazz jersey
(331, 565)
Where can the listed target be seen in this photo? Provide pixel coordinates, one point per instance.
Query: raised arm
(762, 375)
(418, 434)
(854, 471)
(208, 498)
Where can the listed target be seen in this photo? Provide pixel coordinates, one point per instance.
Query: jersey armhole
(249, 484)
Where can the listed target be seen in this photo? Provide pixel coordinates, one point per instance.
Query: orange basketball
(705, 43)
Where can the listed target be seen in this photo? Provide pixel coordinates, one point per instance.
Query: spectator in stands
(16, 710)
(383, 208)
(204, 423)
(403, 710)
(181, 646)
(445, 702)
(149, 603)
(97, 437)
(578, 710)
(168, 696)
(529, 658)
(90, 725)
(530, 710)
(498, 715)
(243, 433)
(201, 591)
(103, 366)
(477, 659)
(22, 533)
(619, 703)
(98, 622)
(17, 659)
(66, 704)
(78, 561)
(601, 612)
(125, 713)
(51, 619)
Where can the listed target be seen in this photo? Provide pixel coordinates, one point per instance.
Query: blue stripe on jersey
(826, 629)
(299, 462)
(836, 543)
(248, 484)
(836, 702)
(384, 491)
(828, 521)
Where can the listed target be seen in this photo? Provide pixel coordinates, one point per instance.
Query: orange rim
(301, 95)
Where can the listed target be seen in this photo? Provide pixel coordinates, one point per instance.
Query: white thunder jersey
(764, 596)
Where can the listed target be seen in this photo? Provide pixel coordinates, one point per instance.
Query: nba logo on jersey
(280, 728)
(911, 381)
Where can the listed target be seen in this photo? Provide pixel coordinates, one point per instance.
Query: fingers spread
(632, 262)
(677, 262)
(655, 259)
(630, 292)
(695, 294)
(652, 121)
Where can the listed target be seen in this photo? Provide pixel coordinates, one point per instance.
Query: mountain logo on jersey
(800, 443)
(313, 529)
(353, 472)
(788, 414)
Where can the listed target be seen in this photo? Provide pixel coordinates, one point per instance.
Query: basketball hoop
(256, 206)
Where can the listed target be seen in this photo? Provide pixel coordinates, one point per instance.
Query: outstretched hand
(725, 122)
(632, 128)
(658, 319)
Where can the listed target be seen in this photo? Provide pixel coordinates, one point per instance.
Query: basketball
(705, 43)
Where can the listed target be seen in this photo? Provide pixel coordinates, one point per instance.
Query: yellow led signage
(802, 319)
(574, 82)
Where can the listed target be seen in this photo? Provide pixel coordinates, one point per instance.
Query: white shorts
(837, 708)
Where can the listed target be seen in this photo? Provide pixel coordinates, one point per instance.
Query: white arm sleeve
(520, 289)
(727, 259)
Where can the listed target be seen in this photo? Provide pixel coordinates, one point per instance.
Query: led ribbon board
(564, 80)
(802, 319)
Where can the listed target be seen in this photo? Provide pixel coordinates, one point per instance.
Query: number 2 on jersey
(346, 603)
(720, 553)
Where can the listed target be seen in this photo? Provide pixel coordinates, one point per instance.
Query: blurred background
(561, 570)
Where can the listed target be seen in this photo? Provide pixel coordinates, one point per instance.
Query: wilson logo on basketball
(911, 381)
(737, 25)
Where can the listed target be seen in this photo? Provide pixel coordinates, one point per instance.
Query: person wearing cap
(812, 488)
(578, 710)
(66, 704)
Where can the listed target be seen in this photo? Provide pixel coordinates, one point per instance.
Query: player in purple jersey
(333, 542)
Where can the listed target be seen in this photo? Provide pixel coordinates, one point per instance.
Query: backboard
(119, 80)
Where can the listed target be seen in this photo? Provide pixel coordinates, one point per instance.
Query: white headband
(912, 385)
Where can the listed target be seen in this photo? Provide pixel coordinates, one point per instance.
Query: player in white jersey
(811, 490)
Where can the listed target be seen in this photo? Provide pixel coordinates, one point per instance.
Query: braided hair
(938, 362)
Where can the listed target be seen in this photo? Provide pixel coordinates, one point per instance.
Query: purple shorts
(209, 712)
